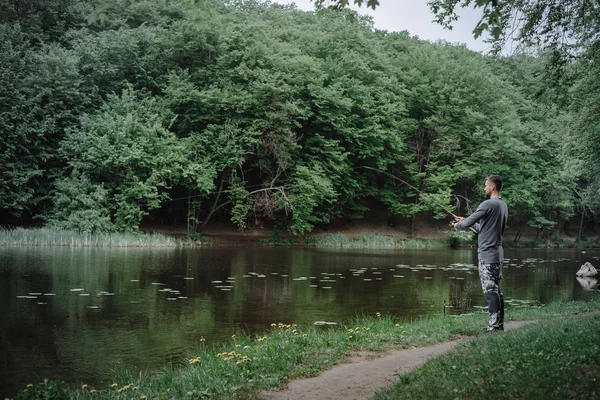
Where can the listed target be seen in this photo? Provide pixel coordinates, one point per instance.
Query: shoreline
(49, 237)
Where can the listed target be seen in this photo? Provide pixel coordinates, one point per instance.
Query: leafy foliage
(253, 112)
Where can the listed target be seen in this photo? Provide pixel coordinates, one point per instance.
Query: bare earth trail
(363, 377)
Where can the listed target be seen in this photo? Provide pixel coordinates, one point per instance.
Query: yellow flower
(195, 360)
(143, 397)
(114, 385)
(30, 385)
(125, 387)
(351, 330)
(246, 347)
(202, 340)
(93, 391)
(233, 337)
(378, 314)
(349, 337)
(84, 386)
(397, 325)
(273, 324)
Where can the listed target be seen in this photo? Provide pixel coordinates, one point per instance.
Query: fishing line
(412, 187)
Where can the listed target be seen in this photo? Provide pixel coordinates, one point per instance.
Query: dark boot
(493, 324)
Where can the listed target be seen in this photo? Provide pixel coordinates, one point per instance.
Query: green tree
(42, 96)
(124, 150)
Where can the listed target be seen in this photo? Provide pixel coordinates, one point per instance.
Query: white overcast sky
(415, 17)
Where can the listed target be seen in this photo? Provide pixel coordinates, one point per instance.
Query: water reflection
(78, 314)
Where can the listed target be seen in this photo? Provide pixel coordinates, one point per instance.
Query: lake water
(79, 314)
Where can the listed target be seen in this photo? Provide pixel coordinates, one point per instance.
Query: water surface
(79, 314)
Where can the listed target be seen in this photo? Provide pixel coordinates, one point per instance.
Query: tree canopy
(261, 113)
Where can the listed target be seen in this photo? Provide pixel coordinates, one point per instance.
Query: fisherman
(489, 221)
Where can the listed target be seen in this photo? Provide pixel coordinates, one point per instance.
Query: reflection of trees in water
(461, 297)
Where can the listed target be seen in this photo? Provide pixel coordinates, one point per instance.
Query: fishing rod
(412, 187)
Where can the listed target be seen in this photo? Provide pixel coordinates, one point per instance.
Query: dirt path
(361, 378)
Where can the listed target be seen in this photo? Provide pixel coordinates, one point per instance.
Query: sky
(415, 17)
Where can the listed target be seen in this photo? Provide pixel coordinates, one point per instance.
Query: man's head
(493, 185)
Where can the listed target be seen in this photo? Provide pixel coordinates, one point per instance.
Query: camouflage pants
(490, 276)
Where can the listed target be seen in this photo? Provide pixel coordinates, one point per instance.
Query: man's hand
(456, 219)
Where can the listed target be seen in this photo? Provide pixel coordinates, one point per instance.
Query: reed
(372, 240)
(61, 237)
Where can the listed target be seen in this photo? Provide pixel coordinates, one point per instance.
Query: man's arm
(472, 220)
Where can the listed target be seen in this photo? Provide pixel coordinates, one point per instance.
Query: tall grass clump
(341, 240)
(422, 243)
(247, 364)
(371, 240)
(63, 237)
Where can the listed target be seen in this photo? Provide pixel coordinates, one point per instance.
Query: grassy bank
(61, 237)
(555, 359)
(243, 366)
(373, 240)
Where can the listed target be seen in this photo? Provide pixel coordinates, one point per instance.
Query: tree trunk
(519, 233)
(566, 228)
(212, 210)
(188, 213)
(581, 224)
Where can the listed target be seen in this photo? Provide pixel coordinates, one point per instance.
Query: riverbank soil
(366, 373)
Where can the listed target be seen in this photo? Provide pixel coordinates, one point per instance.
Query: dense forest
(167, 110)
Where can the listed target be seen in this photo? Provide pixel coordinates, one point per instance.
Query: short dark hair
(496, 180)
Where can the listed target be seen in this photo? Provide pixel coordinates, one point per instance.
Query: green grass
(247, 364)
(423, 243)
(277, 240)
(62, 237)
(372, 240)
(553, 359)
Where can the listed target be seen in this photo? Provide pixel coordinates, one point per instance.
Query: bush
(456, 237)
(198, 237)
(276, 239)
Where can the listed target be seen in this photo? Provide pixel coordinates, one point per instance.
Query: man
(489, 221)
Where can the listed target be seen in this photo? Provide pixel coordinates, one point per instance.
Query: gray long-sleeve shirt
(489, 220)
